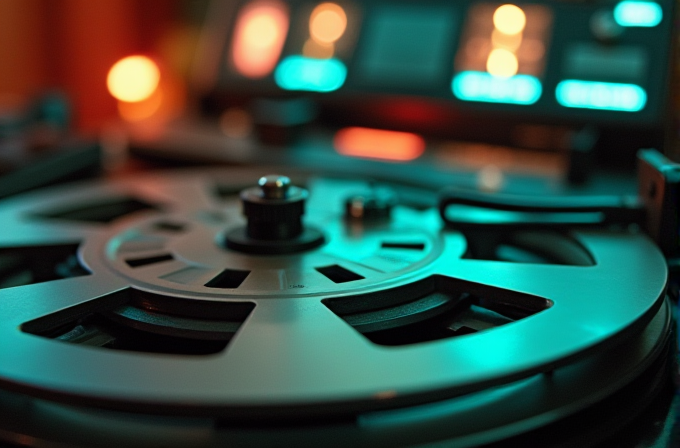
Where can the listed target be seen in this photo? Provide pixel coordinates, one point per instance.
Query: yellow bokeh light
(327, 23)
(133, 79)
(509, 19)
(502, 63)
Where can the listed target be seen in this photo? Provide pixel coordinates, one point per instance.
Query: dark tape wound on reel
(123, 296)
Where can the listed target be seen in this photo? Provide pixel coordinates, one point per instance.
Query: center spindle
(274, 212)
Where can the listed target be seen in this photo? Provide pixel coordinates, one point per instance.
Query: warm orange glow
(509, 19)
(502, 63)
(141, 110)
(134, 78)
(510, 42)
(477, 47)
(327, 23)
(378, 144)
(259, 36)
(317, 50)
(533, 50)
(165, 103)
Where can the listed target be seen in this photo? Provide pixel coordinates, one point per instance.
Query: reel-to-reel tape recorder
(352, 303)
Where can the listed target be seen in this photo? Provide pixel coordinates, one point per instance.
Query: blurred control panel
(565, 61)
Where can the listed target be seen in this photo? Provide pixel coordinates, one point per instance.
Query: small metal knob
(374, 205)
(274, 186)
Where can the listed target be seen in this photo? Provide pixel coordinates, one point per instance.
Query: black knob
(274, 212)
(274, 209)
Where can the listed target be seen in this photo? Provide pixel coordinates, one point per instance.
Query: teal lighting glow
(601, 95)
(482, 86)
(638, 13)
(314, 75)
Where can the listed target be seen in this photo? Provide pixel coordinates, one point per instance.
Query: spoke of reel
(295, 346)
(595, 301)
(535, 279)
(25, 303)
(539, 279)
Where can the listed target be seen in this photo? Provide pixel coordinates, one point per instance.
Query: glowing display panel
(259, 35)
(636, 13)
(601, 95)
(322, 37)
(310, 74)
(484, 87)
(502, 54)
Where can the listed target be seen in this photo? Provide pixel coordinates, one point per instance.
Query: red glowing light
(259, 36)
(378, 144)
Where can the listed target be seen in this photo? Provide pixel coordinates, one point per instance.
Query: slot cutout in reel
(36, 264)
(133, 320)
(432, 309)
(527, 246)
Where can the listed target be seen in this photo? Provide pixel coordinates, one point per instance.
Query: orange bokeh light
(378, 144)
(327, 23)
(133, 79)
(166, 102)
(259, 36)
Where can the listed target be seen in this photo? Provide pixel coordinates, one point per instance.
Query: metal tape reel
(295, 337)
